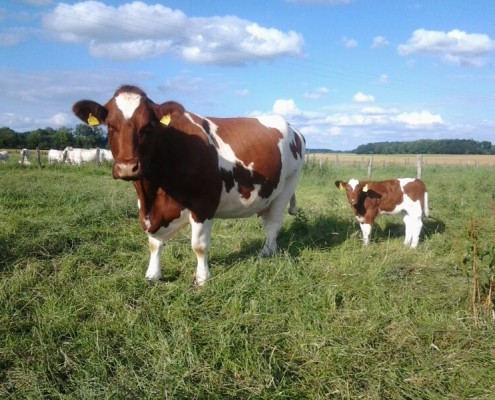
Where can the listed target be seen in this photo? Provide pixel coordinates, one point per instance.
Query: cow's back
(256, 156)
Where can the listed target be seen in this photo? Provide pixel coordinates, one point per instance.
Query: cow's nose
(126, 170)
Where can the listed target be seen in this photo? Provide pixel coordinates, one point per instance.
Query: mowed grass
(326, 318)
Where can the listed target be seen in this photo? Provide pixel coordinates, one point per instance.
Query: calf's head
(357, 191)
(134, 122)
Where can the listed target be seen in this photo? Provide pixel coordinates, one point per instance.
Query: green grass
(326, 318)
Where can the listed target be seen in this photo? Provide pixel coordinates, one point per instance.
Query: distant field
(407, 159)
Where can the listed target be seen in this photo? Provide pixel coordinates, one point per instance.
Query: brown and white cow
(191, 169)
(368, 199)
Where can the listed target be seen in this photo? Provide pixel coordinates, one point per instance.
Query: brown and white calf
(189, 169)
(368, 199)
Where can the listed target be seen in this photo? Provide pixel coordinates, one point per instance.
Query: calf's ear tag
(165, 119)
(341, 186)
(365, 189)
(92, 120)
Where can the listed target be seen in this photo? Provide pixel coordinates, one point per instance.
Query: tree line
(428, 146)
(81, 135)
(86, 136)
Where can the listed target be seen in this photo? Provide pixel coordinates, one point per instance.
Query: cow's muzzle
(127, 170)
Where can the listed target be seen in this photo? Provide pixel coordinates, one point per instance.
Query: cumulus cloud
(137, 30)
(419, 119)
(363, 98)
(379, 42)
(285, 107)
(455, 47)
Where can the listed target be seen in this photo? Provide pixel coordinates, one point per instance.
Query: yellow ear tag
(92, 120)
(341, 186)
(365, 189)
(165, 119)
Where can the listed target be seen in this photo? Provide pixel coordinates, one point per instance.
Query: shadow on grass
(319, 234)
(431, 226)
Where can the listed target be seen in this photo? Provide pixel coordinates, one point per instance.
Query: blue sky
(344, 72)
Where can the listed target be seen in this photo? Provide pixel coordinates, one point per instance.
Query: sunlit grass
(326, 318)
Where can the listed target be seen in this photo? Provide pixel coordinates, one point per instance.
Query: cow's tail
(426, 209)
(292, 205)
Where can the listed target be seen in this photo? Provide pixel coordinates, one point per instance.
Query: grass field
(327, 318)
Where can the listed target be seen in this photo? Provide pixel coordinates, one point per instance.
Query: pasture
(326, 318)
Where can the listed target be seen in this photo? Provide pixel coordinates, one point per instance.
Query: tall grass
(326, 318)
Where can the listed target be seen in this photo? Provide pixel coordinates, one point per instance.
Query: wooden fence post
(419, 164)
(38, 158)
(97, 156)
(370, 164)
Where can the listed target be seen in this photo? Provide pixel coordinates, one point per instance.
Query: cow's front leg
(200, 241)
(154, 271)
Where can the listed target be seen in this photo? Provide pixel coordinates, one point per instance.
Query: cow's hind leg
(273, 217)
(293, 205)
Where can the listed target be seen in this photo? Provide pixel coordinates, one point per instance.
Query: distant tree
(428, 146)
(9, 139)
(62, 138)
(41, 138)
(87, 136)
(486, 147)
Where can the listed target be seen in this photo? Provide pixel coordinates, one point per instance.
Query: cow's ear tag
(365, 189)
(92, 120)
(341, 186)
(165, 119)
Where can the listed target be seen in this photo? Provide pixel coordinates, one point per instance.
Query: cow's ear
(340, 185)
(90, 112)
(167, 111)
(372, 194)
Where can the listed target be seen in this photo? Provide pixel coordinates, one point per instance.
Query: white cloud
(455, 47)
(419, 119)
(285, 107)
(349, 43)
(379, 42)
(131, 50)
(137, 30)
(317, 94)
(363, 98)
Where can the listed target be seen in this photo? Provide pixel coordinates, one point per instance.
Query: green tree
(62, 138)
(9, 139)
(41, 138)
(87, 136)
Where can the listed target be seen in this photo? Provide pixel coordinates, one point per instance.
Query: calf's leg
(365, 230)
